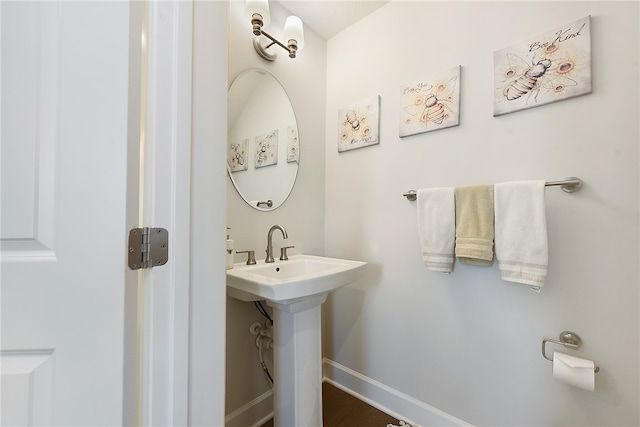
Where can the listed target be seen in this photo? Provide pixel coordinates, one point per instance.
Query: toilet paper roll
(574, 371)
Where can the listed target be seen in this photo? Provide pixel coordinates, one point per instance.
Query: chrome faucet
(270, 241)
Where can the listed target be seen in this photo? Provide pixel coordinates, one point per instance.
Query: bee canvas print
(358, 124)
(293, 146)
(266, 149)
(430, 103)
(238, 155)
(543, 69)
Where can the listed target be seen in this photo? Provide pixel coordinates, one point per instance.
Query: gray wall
(468, 343)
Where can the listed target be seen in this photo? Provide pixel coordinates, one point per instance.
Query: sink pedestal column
(298, 362)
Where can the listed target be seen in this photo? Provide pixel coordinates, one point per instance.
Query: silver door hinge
(148, 247)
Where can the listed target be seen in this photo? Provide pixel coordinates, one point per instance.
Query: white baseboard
(387, 399)
(254, 413)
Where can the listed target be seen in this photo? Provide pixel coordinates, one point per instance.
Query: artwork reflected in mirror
(267, 149)
(237, 155)
(292, 144)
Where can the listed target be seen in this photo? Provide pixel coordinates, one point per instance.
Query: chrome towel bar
(568, 185)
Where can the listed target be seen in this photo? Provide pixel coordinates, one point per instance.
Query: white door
(63, 226)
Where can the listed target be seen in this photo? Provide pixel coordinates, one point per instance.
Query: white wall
(468, 343)
(302, 214)
(208, 302)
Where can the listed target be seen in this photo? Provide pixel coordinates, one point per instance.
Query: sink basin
(299, 277)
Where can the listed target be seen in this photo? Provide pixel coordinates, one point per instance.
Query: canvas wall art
(553, 66)
(293, 146)
(430, 103)
(266, 149)
(358, 124)
(237, 155)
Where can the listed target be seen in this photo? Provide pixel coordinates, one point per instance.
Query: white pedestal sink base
(298, 362)
(295, 288)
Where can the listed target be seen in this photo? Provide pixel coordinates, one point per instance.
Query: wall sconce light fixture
(258, 12)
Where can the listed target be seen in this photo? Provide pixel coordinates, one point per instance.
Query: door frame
(162, 298)
(181, 307)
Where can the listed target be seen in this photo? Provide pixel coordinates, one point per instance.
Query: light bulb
(261, 7)
(293, 30)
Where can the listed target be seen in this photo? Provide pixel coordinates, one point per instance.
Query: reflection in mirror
(263, 150)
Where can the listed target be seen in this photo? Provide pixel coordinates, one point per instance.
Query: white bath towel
(436, 227)
(521, 232)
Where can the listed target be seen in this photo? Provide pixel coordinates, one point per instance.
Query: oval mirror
(263, 150)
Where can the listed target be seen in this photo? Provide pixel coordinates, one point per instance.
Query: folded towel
(436, 227)
(521, 232)
(474, 224)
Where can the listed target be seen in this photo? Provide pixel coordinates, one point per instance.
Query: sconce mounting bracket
(262, 50)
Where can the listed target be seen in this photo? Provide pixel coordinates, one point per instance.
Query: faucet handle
(283, 252)
(251, 258)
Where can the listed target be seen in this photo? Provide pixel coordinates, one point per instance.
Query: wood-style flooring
(340, 409)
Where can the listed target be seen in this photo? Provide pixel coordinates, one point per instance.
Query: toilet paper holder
(567, 339)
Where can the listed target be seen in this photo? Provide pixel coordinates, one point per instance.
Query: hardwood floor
(340, 409)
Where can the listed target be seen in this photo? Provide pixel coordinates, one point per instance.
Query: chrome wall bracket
(262, 50)
(148, 247)
(567, 339)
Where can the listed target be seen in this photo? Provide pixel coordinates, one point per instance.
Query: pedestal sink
(295, 289)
